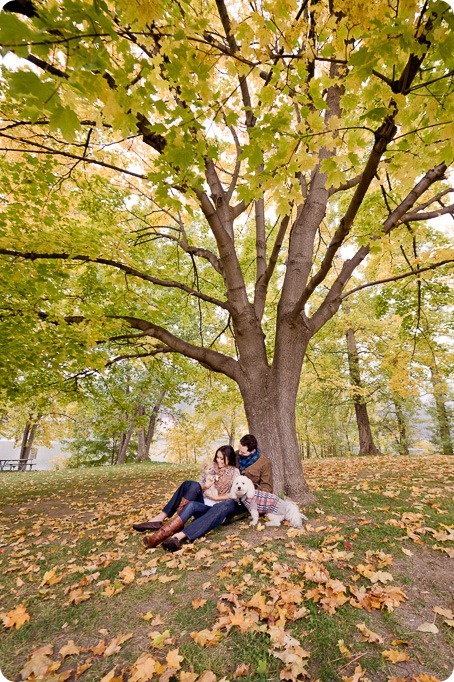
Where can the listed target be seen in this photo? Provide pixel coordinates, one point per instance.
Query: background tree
(250, 149)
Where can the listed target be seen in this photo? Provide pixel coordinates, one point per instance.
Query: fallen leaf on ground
(174, 659)
(38, 666)
(198, 603)
(143, 669)
(447, 613)
(127, 575)
(114, 646)
(187, 676)
(428, 627)
(70, 649)
(395, 656)
(207, 676)
(206, 637)
(160, 639)
(16, 617)
(110, 677)
(368, 635)
(168, 578)
(146, 616)
(346, 653)
(358, 676)
(381, 576)
(241, 670)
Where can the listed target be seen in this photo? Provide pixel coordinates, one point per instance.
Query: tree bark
(366, 440)
(269, 396)
(27, 441)
(402, 427)
(444, 432)
(124, 442)
(141, 455)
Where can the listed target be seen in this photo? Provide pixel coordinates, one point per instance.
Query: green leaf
(65, 120)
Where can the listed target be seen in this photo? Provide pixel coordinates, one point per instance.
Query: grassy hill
(360, 593)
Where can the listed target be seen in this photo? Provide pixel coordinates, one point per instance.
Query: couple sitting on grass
(208, 501)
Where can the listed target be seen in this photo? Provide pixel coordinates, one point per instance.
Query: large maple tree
(268, 146)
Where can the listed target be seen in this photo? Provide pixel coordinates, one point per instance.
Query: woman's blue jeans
(206, 518)
(190, 490)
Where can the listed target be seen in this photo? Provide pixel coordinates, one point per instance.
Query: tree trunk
(366, 441)
(402, 428)
(141, 456)
(145, 437)
(153, 421)
(27, 441)
(444, 432)
(124, 442)
(269, 396)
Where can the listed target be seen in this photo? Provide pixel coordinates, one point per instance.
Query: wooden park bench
(16, 464)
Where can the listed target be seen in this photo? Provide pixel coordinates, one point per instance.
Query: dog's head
(242, 486)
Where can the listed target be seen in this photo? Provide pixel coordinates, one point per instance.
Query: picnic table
(16, 464)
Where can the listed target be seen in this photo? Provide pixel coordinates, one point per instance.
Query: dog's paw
(253, 523)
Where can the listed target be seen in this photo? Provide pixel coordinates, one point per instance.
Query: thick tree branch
(261, 287)
(428, 215)
(205, 356)
(332, 300)
(383, 136)
(119, 266)
(346, 185)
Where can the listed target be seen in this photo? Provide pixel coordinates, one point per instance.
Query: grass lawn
(360, 593)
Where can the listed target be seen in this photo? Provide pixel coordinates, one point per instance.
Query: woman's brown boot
(168, 529)
(182, 504)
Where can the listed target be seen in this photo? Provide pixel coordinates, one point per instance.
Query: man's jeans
(209, 519)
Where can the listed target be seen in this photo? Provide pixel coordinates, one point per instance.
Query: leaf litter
(257, 582)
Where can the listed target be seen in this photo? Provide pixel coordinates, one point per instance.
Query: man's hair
(249, 441)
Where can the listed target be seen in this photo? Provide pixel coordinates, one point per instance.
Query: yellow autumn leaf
(168, 578)
(205, 637)
(381, 576)
(187, 676)
(346, 653)
(242, 670)
(114, 646)
(395, 656)
(160, 639)
(146, 616)
(143, 669)
(447, 613)
(174, 659)
(70, 649)
(368, 635)
(38, 666)
(358, 675)
(207, 676)
(16, 617)
(198, 603)
(127, 575)
(78, 595)
(50, 578)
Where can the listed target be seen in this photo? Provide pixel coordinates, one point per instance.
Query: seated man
(252, 464)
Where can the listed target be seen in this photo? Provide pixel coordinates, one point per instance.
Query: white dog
(259, 502)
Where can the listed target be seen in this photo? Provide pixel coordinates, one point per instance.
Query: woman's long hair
(228, 453)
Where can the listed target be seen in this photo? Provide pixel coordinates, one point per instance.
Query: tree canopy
(211, 178)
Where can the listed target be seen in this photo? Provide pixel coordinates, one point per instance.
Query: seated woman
(193, 498)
